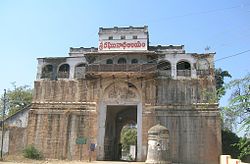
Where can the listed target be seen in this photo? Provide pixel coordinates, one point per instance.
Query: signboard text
(116, 45)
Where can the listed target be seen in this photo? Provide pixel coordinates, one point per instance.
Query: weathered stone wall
(17, 139)
(194, 135)
(148, 121)
(187, 108)
(186, 91)
(55, 130)
(6, 141)
(14, 140)
(63, 110)
(60, 91)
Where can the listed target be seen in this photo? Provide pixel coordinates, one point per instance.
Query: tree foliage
(219, 78)
(237, 147)
(239, 104)
(229, 140)
(17, 98)
(244, 147)
(128, 137)
(237, 112)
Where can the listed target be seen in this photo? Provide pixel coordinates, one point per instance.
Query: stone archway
(117, 116)
(117, 98)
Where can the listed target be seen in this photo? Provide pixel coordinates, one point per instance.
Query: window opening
(122, 61)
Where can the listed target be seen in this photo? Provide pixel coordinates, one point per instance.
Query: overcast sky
(46, 28)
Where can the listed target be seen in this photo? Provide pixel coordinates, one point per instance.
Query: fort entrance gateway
(92, 93)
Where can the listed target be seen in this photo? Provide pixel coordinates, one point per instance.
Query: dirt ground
(20, 159)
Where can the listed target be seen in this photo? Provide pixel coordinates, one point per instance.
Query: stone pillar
(71, 71)
(39, 69)
(193, 71)
(158, 145)
(101, 130)
(173, 70)
(139, 133)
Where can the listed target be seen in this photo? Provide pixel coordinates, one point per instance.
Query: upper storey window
(63, 71)
(183, 68)
(109, 61)
(134, 61)
(47, 71)
(202, 67)
(123, 37)
(202, 64)
(135, 37)
(80, 71)
(111, 38)
(164, 68)
(122, 61)
(164, 65)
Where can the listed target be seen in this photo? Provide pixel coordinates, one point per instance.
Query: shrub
(32, 153)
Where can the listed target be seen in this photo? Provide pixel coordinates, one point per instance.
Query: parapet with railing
(94, 68)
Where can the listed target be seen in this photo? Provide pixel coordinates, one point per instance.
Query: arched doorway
(120, 105)
(117, 117)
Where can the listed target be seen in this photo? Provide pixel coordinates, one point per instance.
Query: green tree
(220, 75)
(244, 147)
(219, 78)
(17, 98)
(236, 113)
(128, 137)
(229, 141)
(239, 104)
